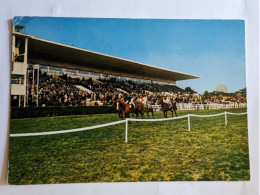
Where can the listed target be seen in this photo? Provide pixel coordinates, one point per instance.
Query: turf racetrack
(156, 151)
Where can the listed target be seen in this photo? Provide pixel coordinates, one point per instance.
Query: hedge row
(31, 112)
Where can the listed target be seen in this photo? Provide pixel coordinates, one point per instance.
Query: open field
(156, 151)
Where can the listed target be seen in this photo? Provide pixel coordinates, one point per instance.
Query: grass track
(156, 151)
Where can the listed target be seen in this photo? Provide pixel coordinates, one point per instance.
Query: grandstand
(49, 73)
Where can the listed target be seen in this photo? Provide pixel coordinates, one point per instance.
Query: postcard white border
(174, 9)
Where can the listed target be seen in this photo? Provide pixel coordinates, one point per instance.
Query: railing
(126, 121)
(190, 106)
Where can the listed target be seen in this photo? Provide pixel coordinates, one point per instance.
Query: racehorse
(148, 109)
(166, 107)
(126, 110)
(119, 110)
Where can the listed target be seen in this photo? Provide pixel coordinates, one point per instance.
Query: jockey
(167, 101)
(130, 100)
(143, 99)
(133, 99)
(140, 99)
(125, 98)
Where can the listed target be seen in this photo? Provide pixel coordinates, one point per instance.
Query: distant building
(222, 88)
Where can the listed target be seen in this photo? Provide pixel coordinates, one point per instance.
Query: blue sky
(211, 49)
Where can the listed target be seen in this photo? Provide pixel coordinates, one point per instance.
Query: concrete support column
(38, 78)
(26, 50)
(33, 83)
(27, 88)
(13, 49)
(19, 100)
(24, 100)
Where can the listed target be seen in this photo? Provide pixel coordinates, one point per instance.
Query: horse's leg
(127, 115)
(120, 113)
(172, 113)
(124, 115)
(152, 113)
(137, 114)
(142, 114)
(143, 110)
(175, 113)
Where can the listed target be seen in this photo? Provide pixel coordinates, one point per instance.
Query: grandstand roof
(41, 51)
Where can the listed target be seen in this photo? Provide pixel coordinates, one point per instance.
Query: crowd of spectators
(62, 90)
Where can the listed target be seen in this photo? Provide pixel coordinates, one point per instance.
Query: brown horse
(119, 110)
(166, 107)
(126, 110)
(148, 109)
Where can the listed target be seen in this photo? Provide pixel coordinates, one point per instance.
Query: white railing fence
(190, 106)
(180, 117)
(126, 121)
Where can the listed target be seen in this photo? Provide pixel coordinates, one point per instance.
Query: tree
(238, 94)
(189, 90)
(206, 94)
(222, 88)
(243, 92)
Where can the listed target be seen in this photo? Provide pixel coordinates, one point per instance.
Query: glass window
(17, 79)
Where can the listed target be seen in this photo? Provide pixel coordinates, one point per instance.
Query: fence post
(189, 122)
(225, 118)
(126, 129)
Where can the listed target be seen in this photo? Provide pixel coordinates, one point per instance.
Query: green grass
(156, 151)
